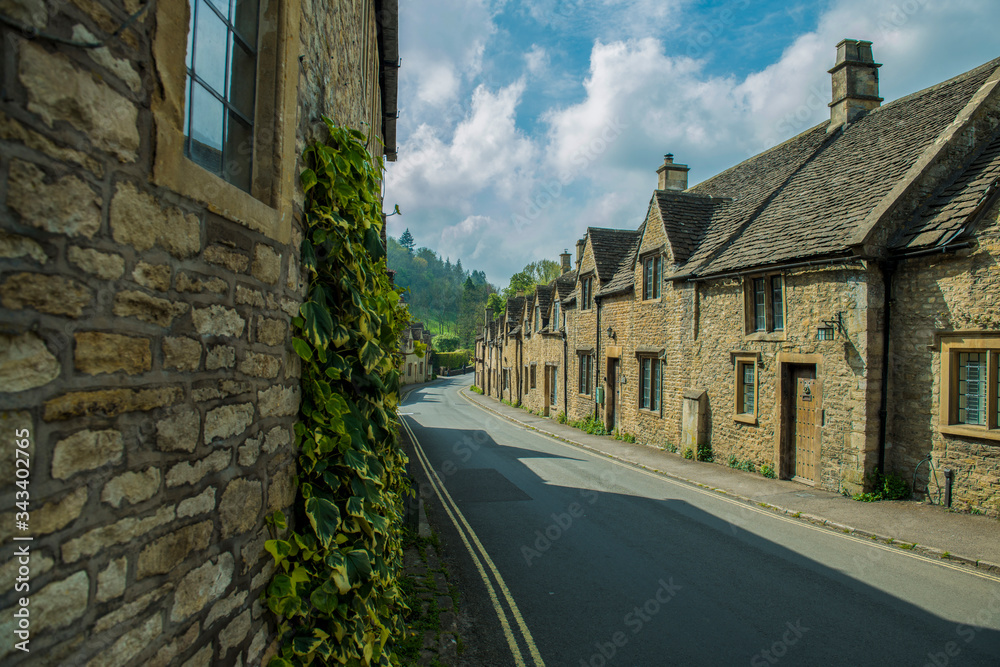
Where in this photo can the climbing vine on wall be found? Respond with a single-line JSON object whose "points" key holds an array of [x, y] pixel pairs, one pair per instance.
{"points": [[335, 590]]}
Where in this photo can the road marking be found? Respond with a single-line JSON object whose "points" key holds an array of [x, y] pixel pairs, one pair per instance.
{"points": [[745, 505], [451, 508]]}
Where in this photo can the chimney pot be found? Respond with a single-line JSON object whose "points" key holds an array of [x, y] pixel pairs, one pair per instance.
{"points": [[854, 79], [672, 176]]}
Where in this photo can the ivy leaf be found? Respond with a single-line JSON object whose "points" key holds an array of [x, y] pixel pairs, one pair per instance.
{"points": [[303, 350], [304, 644], [279, 549], [325, 597], [308, 179], [370, 354], [317, 325], [324, 518], [359, 565], [308, 256], [278, 661], [281, 585]]}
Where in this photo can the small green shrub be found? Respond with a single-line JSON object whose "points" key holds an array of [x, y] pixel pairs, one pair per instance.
{"points": [[688, 453], [746, 465], [624, 436], [705, 454], [561, 417], [591, 425], [767, 470], [670, 447], [477, 390], [884, 487]]}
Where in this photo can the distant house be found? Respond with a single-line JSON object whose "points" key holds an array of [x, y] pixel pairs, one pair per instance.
{"points": [[828, 308], [415, 359]]}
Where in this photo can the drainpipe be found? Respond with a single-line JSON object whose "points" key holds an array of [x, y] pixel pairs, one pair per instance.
{"points": [[520, 366], [888, 268], [565, 372], [597, 353]]}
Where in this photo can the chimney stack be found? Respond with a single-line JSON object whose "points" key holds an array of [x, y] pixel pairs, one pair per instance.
{"points": [[564, 262], [855, 83], [672, 176], [580, 245]]}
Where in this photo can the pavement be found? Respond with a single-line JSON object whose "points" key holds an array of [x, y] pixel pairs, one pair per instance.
{"points": [[931, 530]]}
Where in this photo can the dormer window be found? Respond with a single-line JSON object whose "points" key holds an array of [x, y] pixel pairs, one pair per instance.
{"points": [[586, 293], [652, 277], [555, 315]]}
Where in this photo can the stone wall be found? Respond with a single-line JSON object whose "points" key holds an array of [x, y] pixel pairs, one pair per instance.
{"points": [[145, 344], [933, 297]]}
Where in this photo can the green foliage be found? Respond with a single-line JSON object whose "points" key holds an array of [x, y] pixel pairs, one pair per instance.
{"points": [[591, 424], [419, 348], [335, 590], [624, 436], [884, 487], [514, 404], [541, 272], [453, 360], [446, 343], [688, 453], [561, 417], [746, 465], [704, 453], [767, 470], [477, 390], [406, 240], [670, 447], [496, 304]]}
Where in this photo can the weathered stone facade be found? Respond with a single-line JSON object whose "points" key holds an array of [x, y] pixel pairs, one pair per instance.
{"points": [[144, 353], [824, 309], [413, 367]]}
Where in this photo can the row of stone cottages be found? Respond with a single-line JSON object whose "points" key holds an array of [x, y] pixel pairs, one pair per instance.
{"points": [[828, 307]]}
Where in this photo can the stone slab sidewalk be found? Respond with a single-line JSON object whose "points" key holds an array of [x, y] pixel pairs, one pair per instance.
{"points": [[929, 529]]}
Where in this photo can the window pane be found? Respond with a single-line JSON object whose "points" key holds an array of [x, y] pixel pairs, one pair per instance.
{"points": [[646, 382], [658, 277], [777, 305], [243, 80], [210, 48], [972, 389], [758, 304], [647, 278], [222, 6], [239, 149], [655, 403], [206, 129], [748, 388], [245, 20]]}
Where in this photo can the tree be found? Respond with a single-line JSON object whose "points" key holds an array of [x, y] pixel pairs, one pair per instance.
{"points": [[497, 304], [406, 240]]}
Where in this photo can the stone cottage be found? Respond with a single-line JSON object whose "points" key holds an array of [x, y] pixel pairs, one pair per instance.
{"points": [[415, 367], [151, 220], [826, 308]]}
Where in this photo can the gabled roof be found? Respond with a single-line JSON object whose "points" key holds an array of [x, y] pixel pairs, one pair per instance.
{"points": [[543, 299], [565, 284], [609, 246], [685, 217], [624, 277], [821, 194], [950, 213]]}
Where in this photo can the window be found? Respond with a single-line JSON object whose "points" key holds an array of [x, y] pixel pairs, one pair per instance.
{"points": [[221, 87], [586, 367], [555, 314], [745, 365], [970, 404], [586, 295], [765, 304], [506, 379], [421, 371], [649, 383], [538, 318], [409, 369], [652, 273], [220, 104], [533, 385], [525, 376], [555, 381]]}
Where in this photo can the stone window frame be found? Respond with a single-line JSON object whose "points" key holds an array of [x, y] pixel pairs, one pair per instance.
{"points": [[587, 291], [951, 347], [740, 359], [655, 362], [769, 332], [268, 209], [654, 258], [534, 374], [587, 355]]}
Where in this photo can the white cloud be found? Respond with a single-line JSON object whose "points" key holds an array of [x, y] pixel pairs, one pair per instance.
{"points": [[536, 60]]}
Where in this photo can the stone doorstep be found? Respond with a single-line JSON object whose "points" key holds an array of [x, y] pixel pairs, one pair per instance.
{"points": [[816, 520]]}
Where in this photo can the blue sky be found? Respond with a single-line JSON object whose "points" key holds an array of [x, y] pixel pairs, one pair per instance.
{"points": [[523, 123]]}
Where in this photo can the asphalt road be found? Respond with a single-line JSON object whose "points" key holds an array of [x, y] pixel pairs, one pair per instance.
{"points": [[569, 558]]}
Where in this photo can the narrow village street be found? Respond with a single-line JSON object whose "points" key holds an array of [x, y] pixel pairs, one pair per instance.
{"points": [[571, 558]]}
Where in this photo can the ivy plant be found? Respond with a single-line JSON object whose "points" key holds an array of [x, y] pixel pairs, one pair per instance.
{"points": [[335, 589]]}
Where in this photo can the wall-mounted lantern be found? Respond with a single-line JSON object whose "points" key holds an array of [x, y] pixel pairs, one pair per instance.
{"points": [[829, 329], [611, 334]]}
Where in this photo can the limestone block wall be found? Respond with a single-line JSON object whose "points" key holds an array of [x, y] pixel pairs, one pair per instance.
{"points": [[545, 351], [144, 347], [933, 296]]}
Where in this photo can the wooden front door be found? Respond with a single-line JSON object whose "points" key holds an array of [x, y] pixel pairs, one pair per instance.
{"points": [[554, 386], [805, 420], [609, 421]]}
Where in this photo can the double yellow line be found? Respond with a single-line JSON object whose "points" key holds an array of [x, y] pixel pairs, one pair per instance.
{"points": [[483, 563]]}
